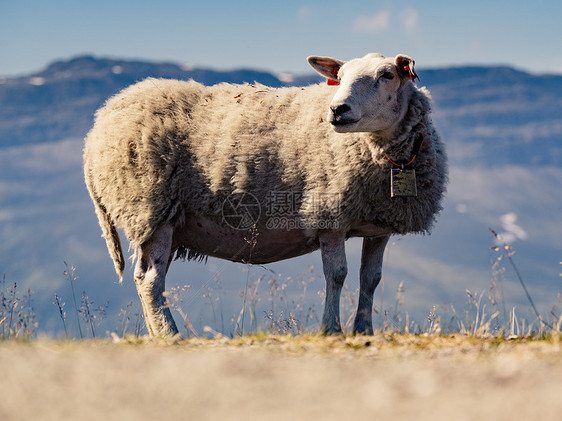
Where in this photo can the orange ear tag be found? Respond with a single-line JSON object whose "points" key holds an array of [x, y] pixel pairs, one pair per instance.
{"points": [[332, 82]]}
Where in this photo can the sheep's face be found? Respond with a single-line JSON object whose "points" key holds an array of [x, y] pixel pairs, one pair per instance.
{"points": [[373, 91]]}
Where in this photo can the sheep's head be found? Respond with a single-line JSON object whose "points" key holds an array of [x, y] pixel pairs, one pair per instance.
{"points": [[373, 91]]}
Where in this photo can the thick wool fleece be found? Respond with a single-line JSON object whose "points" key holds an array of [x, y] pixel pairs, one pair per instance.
{"points": [[162, 149]]}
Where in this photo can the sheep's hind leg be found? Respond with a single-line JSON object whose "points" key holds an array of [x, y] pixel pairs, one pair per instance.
{"points": [[332, 247], [369, 277], [150, 275]]}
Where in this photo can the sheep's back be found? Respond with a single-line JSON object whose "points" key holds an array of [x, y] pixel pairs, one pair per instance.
{"points": [[161, 148]]}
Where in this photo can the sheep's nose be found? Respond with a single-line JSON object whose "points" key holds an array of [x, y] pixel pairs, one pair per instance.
{"points": [[339, 110]]}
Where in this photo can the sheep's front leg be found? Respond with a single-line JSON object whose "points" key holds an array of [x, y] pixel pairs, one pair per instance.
{"points": [[150, 276], [369, 277], [332, 247]]}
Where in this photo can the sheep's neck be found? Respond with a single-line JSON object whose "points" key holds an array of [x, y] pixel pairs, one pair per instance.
{"points": [[399, 152], [418, 142]]}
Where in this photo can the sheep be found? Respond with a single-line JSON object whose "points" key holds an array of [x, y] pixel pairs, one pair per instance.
{"points": [[255, 174]]}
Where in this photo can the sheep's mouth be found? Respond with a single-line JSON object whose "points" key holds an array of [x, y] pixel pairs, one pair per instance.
{"points": [[342, 123]]}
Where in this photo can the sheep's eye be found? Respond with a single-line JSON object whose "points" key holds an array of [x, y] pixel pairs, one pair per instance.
{"points": [[387, 75]]}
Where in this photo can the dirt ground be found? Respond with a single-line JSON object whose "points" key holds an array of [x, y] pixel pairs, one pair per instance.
{"points": [[282, 378]]}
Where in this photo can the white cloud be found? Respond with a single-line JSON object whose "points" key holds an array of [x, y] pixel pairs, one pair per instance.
{"points": [[372, 24], [381, 21], [461, 208], [286, 77], [37, 81], [410, 19], [512, 230], [475, 47], [304, 13], [6, 215]]}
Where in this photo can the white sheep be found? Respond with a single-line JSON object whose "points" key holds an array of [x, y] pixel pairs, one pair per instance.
{"points": [[255, 174]]}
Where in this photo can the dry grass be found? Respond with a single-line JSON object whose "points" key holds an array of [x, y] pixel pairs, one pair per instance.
{"points": [[485, 364], [398, 376]]}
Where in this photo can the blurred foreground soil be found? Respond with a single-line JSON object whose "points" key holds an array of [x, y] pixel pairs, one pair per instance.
{"points": [[282, 378]]}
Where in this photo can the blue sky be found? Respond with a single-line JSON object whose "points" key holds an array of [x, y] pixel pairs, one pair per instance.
{"points": [[279, 35]]}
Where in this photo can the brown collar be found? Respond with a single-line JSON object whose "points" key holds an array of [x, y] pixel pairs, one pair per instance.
{"points": [[415, 152]]}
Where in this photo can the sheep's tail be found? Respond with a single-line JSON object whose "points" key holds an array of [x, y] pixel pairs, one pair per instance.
{"points": [[109, 232]]}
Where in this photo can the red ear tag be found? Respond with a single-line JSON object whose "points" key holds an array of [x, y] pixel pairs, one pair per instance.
{"points": [[332, 82], [412, 72]]}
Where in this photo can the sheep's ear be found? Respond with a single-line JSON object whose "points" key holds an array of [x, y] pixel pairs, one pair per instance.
{"points": [[326, 66], [405, 66]]}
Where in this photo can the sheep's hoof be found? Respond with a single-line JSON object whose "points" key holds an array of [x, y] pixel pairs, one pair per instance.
{"points": [[364, 332], [363, 328], [328, 331]]}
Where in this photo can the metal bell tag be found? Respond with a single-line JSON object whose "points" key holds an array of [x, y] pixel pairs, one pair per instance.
{"points": [[403, 183]]}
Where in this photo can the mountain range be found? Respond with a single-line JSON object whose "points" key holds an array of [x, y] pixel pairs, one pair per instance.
{"points": [[502, 127]]}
